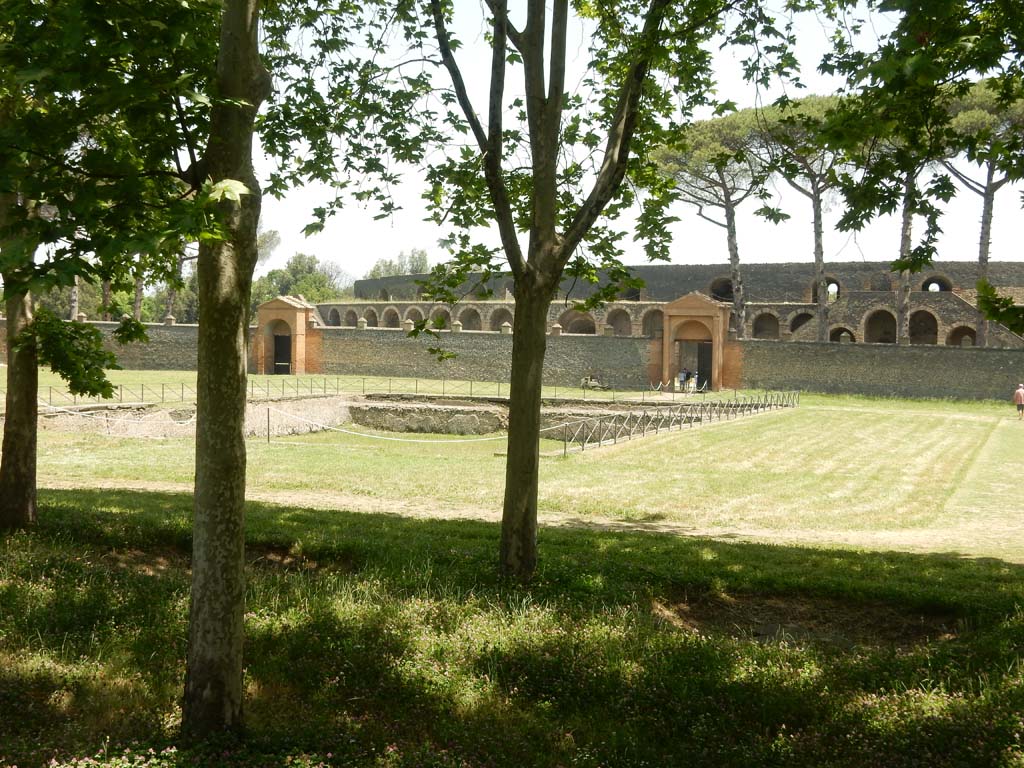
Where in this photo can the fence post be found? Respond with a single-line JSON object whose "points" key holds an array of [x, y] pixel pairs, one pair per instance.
{"points": [[268, 425], [565, 440]]}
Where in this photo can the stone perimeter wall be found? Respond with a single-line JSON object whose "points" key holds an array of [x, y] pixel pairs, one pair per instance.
{"points": [[170, 347], [885, 370], [872, 369], [617, 361]]}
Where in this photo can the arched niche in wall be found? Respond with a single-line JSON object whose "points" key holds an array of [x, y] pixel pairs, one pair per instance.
{"points": [[414, 314], [441, 319], [880, 327], [351, 318], [924, 328], [840, 334], [721, 289], [470, 319], [936, 284], [765, 326], [499, 317], [652, 323], [370, 315], [799, 320], [832, 285], [962, 336], [334, 317], [390, 318], [620, 320], [574, 321]]}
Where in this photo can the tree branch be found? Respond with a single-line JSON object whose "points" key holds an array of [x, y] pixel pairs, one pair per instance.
{"points": [[620, 134], [511, 32], [448, 58]]}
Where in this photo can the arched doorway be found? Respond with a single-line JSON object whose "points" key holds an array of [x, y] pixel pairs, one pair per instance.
{"points": [[391, 319], [334, 318], [279, 338], [351, 318], [414, 314], [694, 351], [370, 316]]}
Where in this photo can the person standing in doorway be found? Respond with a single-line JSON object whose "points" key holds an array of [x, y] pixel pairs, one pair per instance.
{"points": [[1018, 400]]}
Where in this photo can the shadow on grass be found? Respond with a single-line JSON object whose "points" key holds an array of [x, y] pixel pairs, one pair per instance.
{"points": [[382, 640]]}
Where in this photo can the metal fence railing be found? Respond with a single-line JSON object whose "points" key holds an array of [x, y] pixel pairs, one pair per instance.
{"points": [[272, 387], [609, 429]]}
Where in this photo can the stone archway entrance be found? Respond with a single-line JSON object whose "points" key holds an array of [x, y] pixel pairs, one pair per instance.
{"points": [[695, 330], [280, 343], [282, 362]]}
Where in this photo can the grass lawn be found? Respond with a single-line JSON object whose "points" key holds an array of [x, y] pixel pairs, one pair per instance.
{"points": [[822, 610]]}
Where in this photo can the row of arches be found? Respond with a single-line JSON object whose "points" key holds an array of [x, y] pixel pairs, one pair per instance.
{"points": [[439, 318], [721, 288], [879, 327]]}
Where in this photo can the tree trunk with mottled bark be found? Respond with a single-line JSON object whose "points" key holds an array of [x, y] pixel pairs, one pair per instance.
{"points": [[137, 303], [739, 306], [985, 244], [18, 464], [213, 679], [903, 288], [73, 311], [518, 552], [819, 265]]}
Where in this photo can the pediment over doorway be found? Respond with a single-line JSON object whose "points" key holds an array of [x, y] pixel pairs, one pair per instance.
{"points": [[695, 303]]}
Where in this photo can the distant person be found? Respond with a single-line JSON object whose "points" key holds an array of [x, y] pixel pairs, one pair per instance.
{"points": [[684, 376], [1018, 400]]}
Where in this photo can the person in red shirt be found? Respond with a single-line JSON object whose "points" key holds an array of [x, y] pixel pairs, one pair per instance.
{"points": [[1018, 399]]}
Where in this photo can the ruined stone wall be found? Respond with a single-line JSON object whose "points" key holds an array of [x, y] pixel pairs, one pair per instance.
{"points": [[481, 356], [170, 347], [764, 282], [882, 369]]}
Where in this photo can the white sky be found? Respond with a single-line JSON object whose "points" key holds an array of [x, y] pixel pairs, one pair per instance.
{"points": [[354, 240]]}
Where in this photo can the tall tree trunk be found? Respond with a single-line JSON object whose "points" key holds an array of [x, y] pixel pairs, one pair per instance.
{"points": [[984, 245], [739, 306], [518, 552], [137, 303], [819, 265], [213, 677], [106, 293], [172, 288], [903, 289], [73, 311], [18, 464]]}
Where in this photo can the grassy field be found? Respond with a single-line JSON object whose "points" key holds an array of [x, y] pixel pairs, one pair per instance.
{"points": [[915, 476], [837, 585]]}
